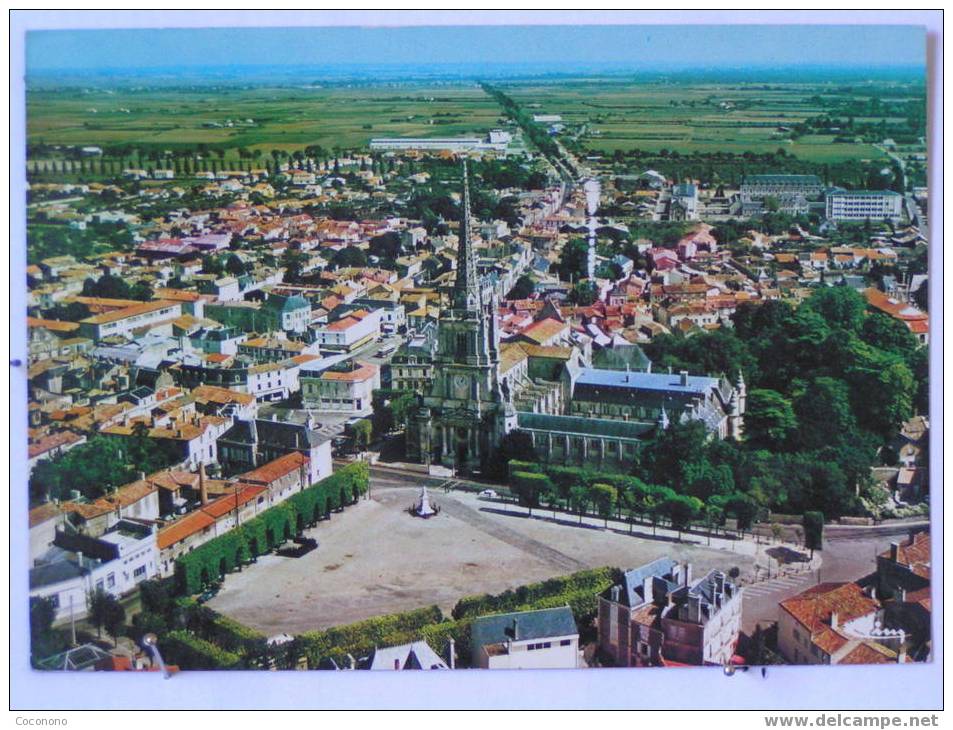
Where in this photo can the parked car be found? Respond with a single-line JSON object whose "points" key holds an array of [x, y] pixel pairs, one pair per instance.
{"points": [[489, 494]]}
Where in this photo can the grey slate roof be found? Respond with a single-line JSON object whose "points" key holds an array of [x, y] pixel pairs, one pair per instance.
{"points": [[607, 427], [781, 180], [634, 381], [416, 655], [45, 575], [543, 624], [277, 433], [633, 581]]}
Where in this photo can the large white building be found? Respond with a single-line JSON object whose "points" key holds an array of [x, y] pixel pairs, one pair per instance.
{"points": [[347, 390], [79, 565], [350, 331], [122, 322], [858, 205], [544, 639], [497, 140]]}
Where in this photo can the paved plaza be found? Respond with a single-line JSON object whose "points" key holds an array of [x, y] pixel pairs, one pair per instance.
{"points": [[374, 558]]}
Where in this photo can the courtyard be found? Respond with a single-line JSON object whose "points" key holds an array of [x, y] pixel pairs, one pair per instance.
{"points": [[374, 558]]}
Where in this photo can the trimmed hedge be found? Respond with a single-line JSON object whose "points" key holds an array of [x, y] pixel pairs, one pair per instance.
{"points": [[191, 652], [516, 465], [360, 638], [527, 597], [579, 591], [263, 532], [221, 630]]}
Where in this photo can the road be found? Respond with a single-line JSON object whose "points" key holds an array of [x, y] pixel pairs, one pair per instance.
{"points": [[847, 556]]}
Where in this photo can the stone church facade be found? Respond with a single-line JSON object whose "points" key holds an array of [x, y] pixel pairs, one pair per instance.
{"points": [[481, 390]]}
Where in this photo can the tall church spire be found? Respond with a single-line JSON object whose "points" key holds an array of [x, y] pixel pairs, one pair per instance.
{"points": [[466, 290]]}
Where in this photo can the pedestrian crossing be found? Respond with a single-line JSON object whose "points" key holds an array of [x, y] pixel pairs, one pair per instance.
{"points": [[776, 585]]}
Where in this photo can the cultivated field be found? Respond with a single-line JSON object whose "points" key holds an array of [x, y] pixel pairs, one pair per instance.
{"points": [[620, 115], [282, 118], [686, 118], [375, 559]]}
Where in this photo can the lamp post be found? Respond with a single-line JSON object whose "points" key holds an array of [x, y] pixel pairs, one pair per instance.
{"points": [[151, 643]]}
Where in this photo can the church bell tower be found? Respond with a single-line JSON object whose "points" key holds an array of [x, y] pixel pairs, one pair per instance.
{"points": [[464, 414]]}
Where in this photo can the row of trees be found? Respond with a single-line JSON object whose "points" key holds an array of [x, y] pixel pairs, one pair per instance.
{"points": [[730, 168]]}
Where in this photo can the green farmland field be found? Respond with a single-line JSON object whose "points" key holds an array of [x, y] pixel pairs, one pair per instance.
{"points": [[616, 114], [282, 118]]}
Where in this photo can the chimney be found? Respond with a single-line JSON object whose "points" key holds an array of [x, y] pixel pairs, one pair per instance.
{"points": [[647, 593], [683, 377], [142, 476], [203, 488], [79, 559], [902, 654], [895, 552], [452, 651], [833, 619]]}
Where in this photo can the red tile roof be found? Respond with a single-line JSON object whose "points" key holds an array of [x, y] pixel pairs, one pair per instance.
{"points": [[44, 513], [364, 371], [183, 528], [53, 441], [273, 470], [914, 555], [813, 608]]}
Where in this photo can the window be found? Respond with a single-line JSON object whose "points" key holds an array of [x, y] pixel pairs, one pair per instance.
{"points": [[139, 573], [111, 580], [565, 642], [55, 600]]}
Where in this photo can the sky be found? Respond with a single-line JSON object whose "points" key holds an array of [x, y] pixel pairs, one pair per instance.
{"points": [[650, 47]]}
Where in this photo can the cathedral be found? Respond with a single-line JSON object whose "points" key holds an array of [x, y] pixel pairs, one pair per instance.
{"points": [[573, 413], [468, 408]]}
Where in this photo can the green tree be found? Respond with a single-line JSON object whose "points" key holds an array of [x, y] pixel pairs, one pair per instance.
{"points": [[44, 640], [529, 487], [523, 288], [584, 293], [921, 297], [107, 286], [888, 334], [362, 431], [349, 256], [579, 500], [141, 290], [515, 445], [744, 508], [682, 511], [824, 414], [99, 609], [672, 452], [292, 262], [574, 260], [96, 467], [234, 265], [604, 496], [769, 419], [213, 265], [813, 523], [840, 306]]}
